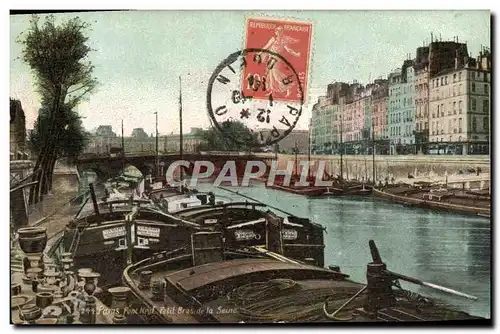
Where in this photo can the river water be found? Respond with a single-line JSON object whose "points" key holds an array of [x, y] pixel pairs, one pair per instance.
{"points": [[441, 248]]}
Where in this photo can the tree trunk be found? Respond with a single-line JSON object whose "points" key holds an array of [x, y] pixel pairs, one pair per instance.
{"points": [[36, 173], [44, 156], [45, 174], [51, 172]]}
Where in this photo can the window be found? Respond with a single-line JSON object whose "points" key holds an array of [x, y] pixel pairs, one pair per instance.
{"points": [[446, 80], [473, 87], [474, 124], [454, 77], [460, 124], [142, 241], [473, 75], [459, 76], [454, 91], [459, 107], [122, 242], [486, 106], [454, 107], [442, 110], [449, 126], [473, 104], [485, 123], [442, 81], [486, 89], [437, 82]]}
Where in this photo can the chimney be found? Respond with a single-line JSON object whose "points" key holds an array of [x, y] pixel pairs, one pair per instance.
{"points": [[456, 59]]}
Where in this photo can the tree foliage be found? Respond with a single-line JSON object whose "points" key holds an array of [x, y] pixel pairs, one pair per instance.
{"points": [[73, 137], [58, 56], [235, 137]]}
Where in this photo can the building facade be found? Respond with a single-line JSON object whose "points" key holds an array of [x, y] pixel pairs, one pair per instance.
{"points": [[402, 109], [105, 131], [17, 131], [139, 133], [380, 116], [421, 68], [460, 108], [323, 130]]}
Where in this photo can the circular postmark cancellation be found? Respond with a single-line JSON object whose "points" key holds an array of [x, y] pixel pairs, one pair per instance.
{"points": [[255, 96]]}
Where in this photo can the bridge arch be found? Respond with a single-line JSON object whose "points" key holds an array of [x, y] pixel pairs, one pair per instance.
{"points": [[140, 170], [92, 173]]}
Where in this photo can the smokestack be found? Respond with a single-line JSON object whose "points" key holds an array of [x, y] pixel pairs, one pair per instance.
{"points": [[432, 38]]}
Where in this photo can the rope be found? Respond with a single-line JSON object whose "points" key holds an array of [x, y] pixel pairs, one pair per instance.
{"points": [[410, 296], [284, 300]]}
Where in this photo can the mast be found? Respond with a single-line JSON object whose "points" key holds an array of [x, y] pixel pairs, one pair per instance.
{"points": [[373, 153], [156, 149], [309, 152], [296, 164], [180, 122], [341, 150], [156, 156], [123, 152]]}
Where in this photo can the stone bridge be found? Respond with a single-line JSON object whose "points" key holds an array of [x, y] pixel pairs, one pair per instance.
{"points": [[107, 166]]}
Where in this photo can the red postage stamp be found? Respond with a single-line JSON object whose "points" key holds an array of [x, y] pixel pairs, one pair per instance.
{"points": [[282, 40]]}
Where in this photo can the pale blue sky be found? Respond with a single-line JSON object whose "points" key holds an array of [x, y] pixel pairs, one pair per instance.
{"points": [[139, 56]]}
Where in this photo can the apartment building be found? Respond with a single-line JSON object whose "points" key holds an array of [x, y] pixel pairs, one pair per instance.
{"points": [[460, 107]]}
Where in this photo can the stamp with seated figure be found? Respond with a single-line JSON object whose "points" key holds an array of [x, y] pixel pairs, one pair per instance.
{"points": [[292, 41]]}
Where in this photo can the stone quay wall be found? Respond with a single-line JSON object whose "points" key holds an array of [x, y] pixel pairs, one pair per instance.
{"points": [[397, 166]]}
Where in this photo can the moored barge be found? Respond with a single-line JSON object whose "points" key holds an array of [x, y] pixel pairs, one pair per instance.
{"points": [[424, 195], [255, 286]]}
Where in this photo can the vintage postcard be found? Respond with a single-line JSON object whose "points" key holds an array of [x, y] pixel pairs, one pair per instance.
{"points": [[250, 167]]}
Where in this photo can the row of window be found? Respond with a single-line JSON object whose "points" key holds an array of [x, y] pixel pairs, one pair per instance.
{"points": [[396, 131], [455, 126], [440, 109], [397, 90], [473, 75], [377, 121], [397, 103], [421, 126], [406, 116]]}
